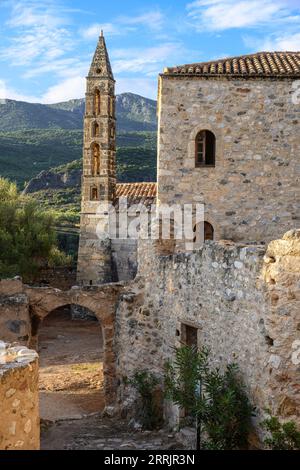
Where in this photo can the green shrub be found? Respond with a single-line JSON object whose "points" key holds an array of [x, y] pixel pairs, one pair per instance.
{"points": [[27, 235], [225, 410], [281, 436], [217, 400], [183, 377], [145, 383]]}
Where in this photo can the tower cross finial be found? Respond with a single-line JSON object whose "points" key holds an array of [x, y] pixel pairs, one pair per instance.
{"points": [[102, 33]]}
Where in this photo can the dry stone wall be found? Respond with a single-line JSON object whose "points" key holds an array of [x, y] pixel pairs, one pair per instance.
{"points": [[19, 401], [14, 312], [243, 300]]}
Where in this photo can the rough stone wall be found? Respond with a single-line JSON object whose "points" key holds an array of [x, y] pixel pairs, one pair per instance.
{"points": [[244, 302], [124, 259], [251, 194], [60, 278], [36, 303], [14, 312], [19, 400]]}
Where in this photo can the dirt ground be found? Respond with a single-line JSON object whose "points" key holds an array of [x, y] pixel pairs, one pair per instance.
{"points": [[71, 368], [71, 394]]}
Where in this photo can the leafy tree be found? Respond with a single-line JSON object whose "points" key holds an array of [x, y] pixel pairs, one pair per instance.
{"points": [[217, 400], [27, 236], [281, 436]]}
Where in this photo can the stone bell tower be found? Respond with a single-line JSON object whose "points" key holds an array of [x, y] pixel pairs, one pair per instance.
{"points": [[99, 169]]}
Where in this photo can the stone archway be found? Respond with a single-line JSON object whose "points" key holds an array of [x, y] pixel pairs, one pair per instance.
{"points": [[101, 301]]}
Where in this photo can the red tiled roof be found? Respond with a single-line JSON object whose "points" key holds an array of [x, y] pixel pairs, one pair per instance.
{"points": [[262, 64], [136, 190], [137, 193]]}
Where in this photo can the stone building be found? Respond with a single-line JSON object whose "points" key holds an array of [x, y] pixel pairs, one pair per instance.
{"points": [[229, 139]]}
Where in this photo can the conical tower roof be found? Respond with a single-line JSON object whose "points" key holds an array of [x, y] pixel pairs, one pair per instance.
{"points": [[101, 64]]}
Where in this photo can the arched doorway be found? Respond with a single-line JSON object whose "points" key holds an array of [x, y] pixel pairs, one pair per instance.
{"points": [[203, 232], [71, 351]]}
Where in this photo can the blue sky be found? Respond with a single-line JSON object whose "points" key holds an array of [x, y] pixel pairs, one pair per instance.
{"points": [[46, 46]]}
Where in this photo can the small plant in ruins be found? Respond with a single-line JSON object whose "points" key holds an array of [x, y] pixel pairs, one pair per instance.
{"points": [[146, 384], [225, 410], [281, 436], [182, 378], [216, 400]]}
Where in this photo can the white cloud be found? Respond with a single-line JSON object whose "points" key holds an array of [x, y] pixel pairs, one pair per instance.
{"points": [[218, 15], [146, 61], [283, 42], [152, 20], [7, 92], [69, 89], [93, 31], [40, 34]]}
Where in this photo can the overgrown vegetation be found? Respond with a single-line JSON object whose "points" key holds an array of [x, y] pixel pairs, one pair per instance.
{"points": [[27, 237], [218, 401], [145, 383], [281, 436]]}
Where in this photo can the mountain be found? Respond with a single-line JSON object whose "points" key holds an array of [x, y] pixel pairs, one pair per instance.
{"points": [[41, 145], [134, 113]]}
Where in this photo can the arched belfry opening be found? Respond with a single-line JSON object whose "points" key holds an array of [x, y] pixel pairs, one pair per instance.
{"points": [[95, 129], [71, 351], [97, 102], [95, 159]]}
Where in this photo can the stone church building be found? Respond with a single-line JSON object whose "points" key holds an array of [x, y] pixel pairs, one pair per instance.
{"points": [[228, 138]]}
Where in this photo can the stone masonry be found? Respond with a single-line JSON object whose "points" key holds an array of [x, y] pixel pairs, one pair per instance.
{"points": [[19, 400], [242, 299], [99, 170], [252, 192]]}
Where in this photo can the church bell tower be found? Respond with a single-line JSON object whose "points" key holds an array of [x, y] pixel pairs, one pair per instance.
{"points": [[99, 169]]}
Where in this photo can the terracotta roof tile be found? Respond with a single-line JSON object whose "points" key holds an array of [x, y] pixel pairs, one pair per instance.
{"points": [[262, 64], [137, 193]]}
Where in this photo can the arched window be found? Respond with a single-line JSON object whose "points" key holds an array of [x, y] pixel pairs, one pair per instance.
{"points": [[95, 129], [205, 149], [95, 159], [208, 232], [94, 194], [97, 101]]}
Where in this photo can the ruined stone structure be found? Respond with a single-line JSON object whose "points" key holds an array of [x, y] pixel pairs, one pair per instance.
{"points": [[242, 301], [23, 308], [19, 401], [229, 138]]}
